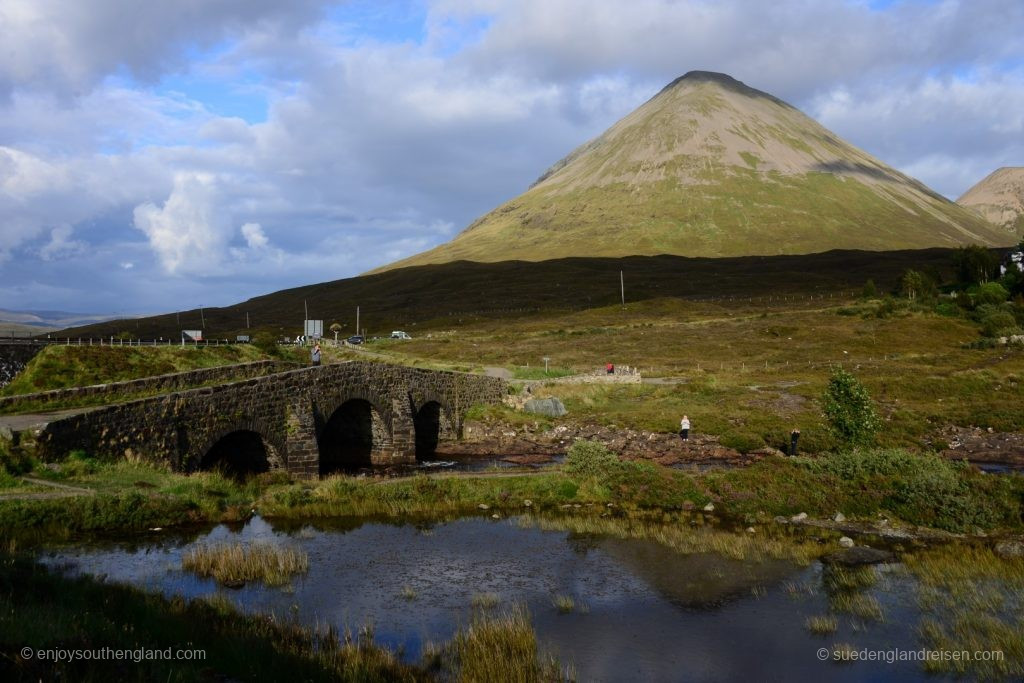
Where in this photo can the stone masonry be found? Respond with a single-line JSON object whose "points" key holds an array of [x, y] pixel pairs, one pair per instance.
{"points": [[159, 384], [289, 410], [14, 356]]}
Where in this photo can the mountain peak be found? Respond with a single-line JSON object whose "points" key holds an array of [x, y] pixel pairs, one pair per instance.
{"points": [[712, 167], [999, 197]]}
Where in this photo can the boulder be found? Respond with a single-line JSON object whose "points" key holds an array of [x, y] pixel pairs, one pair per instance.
{"points": [[550, 407], [710, 507], [799, 518], [839, 517], [858, 556], [1010, 550], [846, 542]]}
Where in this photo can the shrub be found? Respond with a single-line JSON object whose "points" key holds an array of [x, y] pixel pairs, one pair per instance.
{"points": [[997, 323], [870, 291], [589, 459], [991, 293], [849, 411]]}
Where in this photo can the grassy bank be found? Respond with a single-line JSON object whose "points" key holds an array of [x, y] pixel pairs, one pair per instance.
{"points": [[903, 486]]}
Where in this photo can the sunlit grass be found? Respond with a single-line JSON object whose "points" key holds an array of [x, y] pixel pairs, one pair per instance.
{"points": [[235, 563]]}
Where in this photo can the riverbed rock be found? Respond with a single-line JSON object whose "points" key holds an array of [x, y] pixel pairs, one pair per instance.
{"points": [[484, 506], [800, 517], [839, 517], [1010, 550], [528, 503], [858, 556], [846, 542], [710, 507], [551, 407]]}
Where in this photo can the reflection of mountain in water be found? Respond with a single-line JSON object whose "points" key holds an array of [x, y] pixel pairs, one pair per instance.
{"points": [[701, 580]]}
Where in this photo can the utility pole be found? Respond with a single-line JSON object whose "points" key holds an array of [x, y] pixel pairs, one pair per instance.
{"points": [[622, 288], [201, 316], [357, 320], [247, 320]]}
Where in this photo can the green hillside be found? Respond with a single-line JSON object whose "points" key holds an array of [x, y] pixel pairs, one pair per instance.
{"points": [[710, 167]]}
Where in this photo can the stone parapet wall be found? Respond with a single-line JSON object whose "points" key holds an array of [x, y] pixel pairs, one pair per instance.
{"points": [[14, 356], [158, 384]]}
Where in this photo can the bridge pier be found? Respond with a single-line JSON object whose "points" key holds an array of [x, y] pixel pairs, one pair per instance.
{"points": [[303, 461], [398, 447]]}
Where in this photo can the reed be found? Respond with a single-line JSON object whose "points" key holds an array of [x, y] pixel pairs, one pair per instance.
{"points": [[822, 625], [502, 649], [237, 563]]}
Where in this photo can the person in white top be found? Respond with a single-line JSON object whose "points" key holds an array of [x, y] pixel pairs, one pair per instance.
{"points": [[684, 428]]}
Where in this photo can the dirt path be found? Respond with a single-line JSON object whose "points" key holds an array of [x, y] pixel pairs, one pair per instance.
{"points": [[63, 491]]}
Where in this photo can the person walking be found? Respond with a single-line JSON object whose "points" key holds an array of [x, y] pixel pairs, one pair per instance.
{"points": [[794, 436], [684, 428], [315, 354]]}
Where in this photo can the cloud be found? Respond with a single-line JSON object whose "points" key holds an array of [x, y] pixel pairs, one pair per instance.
{"points": [[254, 236], [188, 233], [68, 47], [383, 138]]}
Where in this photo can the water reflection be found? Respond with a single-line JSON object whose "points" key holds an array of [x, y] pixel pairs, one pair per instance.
{"points": [[652, 614]]}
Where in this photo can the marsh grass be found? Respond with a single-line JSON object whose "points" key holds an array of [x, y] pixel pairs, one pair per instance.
{"points": [[857, 604], [822, 625], [563, 603], [485, 600], [972, 600], [408, 593], [233, 563], [839, 578], [687, 540], [502, 648]]}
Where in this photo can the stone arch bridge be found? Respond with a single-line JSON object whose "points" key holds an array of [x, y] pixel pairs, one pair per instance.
{"points": [[309, 422]]}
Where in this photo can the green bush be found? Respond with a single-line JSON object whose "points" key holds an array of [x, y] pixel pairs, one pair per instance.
{"points": [[742, 442], [589, 459], [998, 323], [990, 293], [923, 488], [849, 411]]}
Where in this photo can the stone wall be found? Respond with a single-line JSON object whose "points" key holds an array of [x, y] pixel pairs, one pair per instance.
{"points": [[158, 384], [14, 356], [289, 410]]}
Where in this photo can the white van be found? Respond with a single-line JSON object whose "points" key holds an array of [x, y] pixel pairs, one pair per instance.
{"points": [[398, 334]]}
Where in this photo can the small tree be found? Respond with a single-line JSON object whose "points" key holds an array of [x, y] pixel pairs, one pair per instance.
{"points": [[849, 410], [335, 328], [870, 291], [911, 284]]}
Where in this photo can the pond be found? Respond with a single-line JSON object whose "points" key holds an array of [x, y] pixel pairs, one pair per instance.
{"points": [[640, 610]]}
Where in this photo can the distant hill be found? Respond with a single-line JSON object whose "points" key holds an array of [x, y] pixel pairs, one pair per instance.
{"points": [[999, 197], [51, 319], [445, 296], [711, 167]]}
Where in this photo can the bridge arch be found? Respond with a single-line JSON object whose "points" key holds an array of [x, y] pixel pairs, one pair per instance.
{"points": [[433, 421], [350, 434], [238, 452]]}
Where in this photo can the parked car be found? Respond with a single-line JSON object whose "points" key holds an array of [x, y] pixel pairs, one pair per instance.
{"points": [[398, 334], [355, 339]]}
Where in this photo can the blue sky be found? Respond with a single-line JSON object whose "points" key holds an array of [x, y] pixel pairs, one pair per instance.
{"points": [[158, 156]]}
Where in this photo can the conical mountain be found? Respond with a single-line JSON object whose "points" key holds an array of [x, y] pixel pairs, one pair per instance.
{"points": [[712, 167], [999, 198]]}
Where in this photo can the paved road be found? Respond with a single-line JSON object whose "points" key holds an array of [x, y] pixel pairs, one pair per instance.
{"points": [[18, 423]]}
